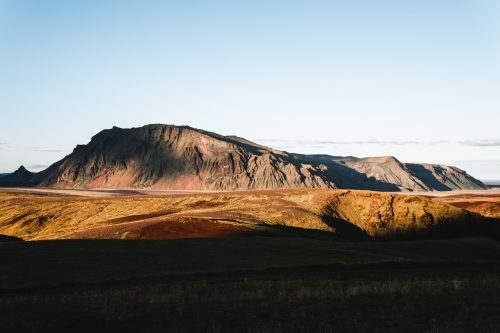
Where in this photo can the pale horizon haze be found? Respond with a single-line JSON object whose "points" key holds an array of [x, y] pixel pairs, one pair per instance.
{"points": [[419, 80]]}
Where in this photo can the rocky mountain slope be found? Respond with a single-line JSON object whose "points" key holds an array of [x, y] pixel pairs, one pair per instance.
{"points": [[184, 158]]}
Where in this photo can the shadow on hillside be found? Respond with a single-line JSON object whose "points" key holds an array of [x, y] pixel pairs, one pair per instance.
{"points": [[427, 177], [467, 225], [287, 231], [357, 180], [5, 238], [345, 230], [342, 175]]}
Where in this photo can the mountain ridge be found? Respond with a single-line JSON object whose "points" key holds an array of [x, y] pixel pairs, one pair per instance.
{"points": [[184, 158]]}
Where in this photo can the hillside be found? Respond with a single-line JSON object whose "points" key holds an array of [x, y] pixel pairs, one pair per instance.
{"points": [[337, 214], [183, 158]]}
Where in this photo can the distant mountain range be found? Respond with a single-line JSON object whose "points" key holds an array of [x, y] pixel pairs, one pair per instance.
{"points": [[183, 158], [4, 174], [492, 183]]}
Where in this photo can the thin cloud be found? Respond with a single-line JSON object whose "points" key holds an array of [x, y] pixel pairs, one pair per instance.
{"points": [[320, 143], [481, 143], [37, 167], [47, 150], [365, 142], [52, 150]]}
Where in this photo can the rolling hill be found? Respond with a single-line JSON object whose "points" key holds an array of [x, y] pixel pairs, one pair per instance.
{"points": [[336, 214]]}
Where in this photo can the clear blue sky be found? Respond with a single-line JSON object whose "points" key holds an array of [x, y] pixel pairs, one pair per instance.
{"points": [[416, 79]]}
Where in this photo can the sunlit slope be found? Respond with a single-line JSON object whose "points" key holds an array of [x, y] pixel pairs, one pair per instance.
{"points": [[487, 204], [343, 214]]}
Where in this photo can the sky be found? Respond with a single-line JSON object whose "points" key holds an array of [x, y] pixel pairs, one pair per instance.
{"points": [[419, 80]]}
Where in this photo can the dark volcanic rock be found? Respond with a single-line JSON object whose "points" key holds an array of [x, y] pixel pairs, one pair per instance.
{"points": [[20, 177], [183, 158]]}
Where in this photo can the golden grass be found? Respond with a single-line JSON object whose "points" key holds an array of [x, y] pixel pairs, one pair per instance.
{"points": [[34, 216]]}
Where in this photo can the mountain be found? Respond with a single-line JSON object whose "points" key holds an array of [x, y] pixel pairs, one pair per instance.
{"points": [[183, 158], [21, 177], [492, 183], [3, 175]]}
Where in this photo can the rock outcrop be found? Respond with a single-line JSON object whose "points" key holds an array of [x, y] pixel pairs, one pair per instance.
{"points": [[184, 158]]}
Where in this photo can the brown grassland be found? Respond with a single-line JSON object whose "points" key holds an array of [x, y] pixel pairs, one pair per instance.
{"points": [[345, 214]]}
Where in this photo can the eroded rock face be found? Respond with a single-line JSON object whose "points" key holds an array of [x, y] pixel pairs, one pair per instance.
{"points": [[169, 157], [392, 215], [183, 158]]}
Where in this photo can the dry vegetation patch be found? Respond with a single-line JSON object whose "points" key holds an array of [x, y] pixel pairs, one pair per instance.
{"points": [[349, 214]]}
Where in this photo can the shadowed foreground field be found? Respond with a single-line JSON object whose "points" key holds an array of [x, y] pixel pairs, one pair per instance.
{"points": [[266, 284], [260, 261], [429, 304]]}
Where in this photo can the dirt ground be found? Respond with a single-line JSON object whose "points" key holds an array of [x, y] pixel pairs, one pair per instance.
{"points": [[485, 203], [33, 214]]}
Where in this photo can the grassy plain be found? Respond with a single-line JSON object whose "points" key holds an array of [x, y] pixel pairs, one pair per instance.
{"points": [[261, 284]]}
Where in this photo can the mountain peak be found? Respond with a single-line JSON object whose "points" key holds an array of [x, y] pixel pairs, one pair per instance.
{"points": [[174, 157], [22, 171]]}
